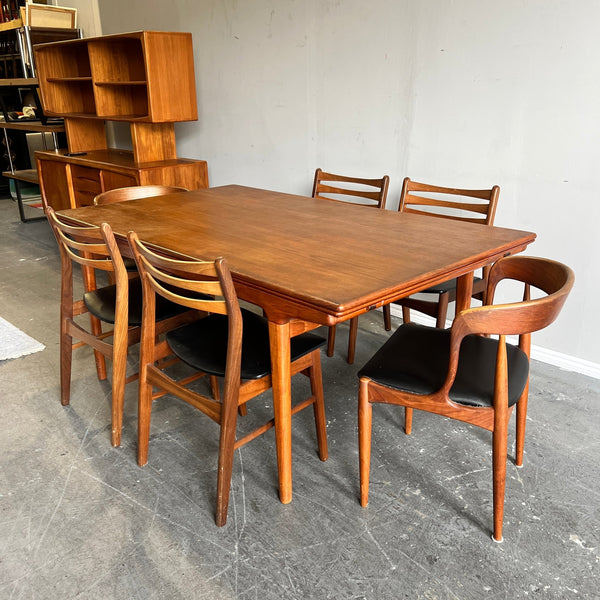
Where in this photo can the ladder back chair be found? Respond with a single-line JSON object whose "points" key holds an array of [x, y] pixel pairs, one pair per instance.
{"points": [[464, 374], [230, 343], [119, 304], [474, 206], [365, 192]]}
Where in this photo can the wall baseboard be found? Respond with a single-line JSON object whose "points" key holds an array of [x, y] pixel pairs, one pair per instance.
{"points": [[565, 361], [551, 357]]}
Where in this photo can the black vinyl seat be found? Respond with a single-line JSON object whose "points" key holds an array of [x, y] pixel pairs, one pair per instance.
{"points": [[415, 360], [211, 356], [102, 303]]}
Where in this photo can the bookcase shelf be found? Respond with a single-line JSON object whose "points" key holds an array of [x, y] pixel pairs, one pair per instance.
{"points": [[145, 78], [124, 74]]}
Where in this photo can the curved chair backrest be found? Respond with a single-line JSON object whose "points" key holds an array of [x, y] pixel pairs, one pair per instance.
{"points": [[90, 246], [445, 202], [135, 192], [200, 285], [358, 191], [518, 318]]}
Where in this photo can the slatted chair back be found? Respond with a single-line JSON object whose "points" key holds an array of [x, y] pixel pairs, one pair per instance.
{"points": [[367, 192], [86, 245], [474, 206]]}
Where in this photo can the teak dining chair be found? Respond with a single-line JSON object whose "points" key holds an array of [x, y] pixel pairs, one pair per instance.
{"points": [[365, 192], [119, 304], [463, 374], [109, 197], [474, 206], [230, 343]]}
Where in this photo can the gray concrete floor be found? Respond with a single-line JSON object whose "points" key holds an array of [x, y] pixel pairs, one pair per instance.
{"points": [[80, 519]]}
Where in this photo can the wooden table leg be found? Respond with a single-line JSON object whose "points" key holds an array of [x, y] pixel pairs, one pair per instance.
{"points": [[279, 338], [464, 291]]}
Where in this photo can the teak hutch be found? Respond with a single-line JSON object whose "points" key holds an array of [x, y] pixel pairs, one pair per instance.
{"points": [[145, 78]]}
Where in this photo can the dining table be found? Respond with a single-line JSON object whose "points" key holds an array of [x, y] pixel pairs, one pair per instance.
{"points": [[307, 262]]}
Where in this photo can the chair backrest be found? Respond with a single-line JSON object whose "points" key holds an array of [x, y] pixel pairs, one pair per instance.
{"points": [[90, 246], [449, 203], [367, 192], [135, 192], [201, 285], [518, 318]]}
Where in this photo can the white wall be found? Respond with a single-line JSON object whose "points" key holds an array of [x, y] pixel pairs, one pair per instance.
{"points": [[467, 93], [88, 15]]}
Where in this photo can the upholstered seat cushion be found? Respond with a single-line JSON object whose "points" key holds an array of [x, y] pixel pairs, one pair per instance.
{"points": [[203, 345], [101, 303], [445, 286], [415, 360]]}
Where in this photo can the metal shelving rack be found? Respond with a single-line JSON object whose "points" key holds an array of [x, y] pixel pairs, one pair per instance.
{"points": [[17, 41]]}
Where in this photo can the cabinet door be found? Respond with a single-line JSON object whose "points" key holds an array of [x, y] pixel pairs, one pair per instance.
{"points": [[188, 174], [55, 184], [112, 180], [86, 184]]}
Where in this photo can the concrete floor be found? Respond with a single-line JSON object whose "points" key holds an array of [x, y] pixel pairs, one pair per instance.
{"points": [[80, 519]]}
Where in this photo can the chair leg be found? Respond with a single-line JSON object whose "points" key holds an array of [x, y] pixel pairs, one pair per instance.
{"points": [[214, 387], [405, 314], [316, 386], [96, 329], [387, 317], [66, 356], [521, 420], [365, 419], [408, 415], [118, 395], [352, 339], [442, 311], [499, 449], [225, 463], [144, 416], [119, 375], [331, 341]]}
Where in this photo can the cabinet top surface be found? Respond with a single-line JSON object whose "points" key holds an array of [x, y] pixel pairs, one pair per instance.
{"points": [[109, 158], [115, 36]]}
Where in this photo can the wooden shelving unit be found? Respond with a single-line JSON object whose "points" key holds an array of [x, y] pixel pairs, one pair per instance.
{"points": [[145, 78]]}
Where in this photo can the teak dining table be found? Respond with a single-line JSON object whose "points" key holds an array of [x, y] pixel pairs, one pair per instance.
{"points": [[308, 262]]}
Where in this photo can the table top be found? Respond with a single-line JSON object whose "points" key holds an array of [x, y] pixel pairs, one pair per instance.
{"points": [[320, 260]]}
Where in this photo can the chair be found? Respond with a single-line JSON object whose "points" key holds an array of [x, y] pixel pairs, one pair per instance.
{"points": [[230, 343], [447, 203], [462, 373], [365, 192], [119, 304]]}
